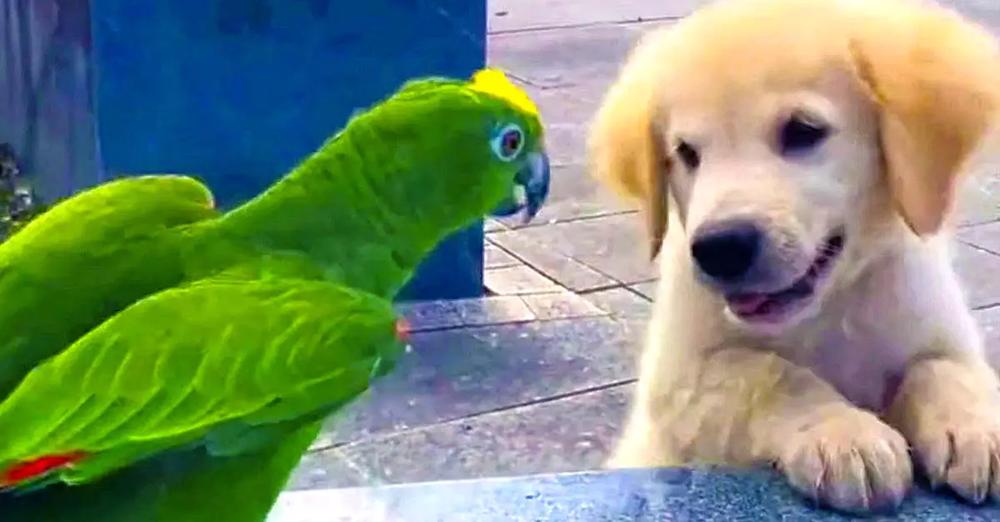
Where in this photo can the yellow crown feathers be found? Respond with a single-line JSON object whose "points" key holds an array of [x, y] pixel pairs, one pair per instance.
{"points": [[495, 83]]}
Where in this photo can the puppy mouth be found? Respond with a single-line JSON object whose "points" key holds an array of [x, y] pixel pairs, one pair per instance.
{"points": [[773, 307]]}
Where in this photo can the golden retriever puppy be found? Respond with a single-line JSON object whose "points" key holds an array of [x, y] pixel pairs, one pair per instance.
{"points": [[796, 162]]}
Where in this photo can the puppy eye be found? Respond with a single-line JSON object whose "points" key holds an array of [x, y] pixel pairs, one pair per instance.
{"points": [[800, 134], [688, 155]]}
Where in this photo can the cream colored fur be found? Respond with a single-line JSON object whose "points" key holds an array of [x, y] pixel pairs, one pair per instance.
{"points": [[887, 358]]}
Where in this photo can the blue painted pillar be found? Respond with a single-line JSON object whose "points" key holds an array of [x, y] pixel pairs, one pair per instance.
{"points": [[238, 91]]}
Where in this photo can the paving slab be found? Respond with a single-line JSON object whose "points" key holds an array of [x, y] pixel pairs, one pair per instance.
{"points": [[980, 197], [986, 12], [989, 321], [647, 289], [526, 15], [621, 302], [496, 257], [978, 271], [562, 305], [575, 195], [495, 310], [610, 245], [585, 55], [985, 236], [493, 225], [451, 374], [336, 471], [568, 272], [567, 73], [572, 434], [518, 280]]}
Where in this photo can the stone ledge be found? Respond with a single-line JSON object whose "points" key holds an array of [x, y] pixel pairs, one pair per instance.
{"points": [[653, 494]]}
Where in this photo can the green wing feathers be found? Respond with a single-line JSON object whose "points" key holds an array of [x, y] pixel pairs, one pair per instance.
{"points": [[119, 205], [99, 252], [216, 361]]}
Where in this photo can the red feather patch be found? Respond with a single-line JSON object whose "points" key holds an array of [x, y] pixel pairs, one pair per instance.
{"points": [[30, 469], [403, 330]]}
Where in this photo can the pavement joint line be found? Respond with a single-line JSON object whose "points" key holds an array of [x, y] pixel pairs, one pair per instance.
{"points": [[574, 219], [973, 224], [528, 81], [596, 270], [977, 247], [535, 84], [613, 286], [375, 437], [450, 328], [640, 294], [535, 269], [585, 25], [366, 475]]}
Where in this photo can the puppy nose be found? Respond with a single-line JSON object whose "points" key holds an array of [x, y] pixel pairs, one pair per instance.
{"points": [[726, 251]]}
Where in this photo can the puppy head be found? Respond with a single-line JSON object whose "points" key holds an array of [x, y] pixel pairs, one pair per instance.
{"points": [[793, 134]]}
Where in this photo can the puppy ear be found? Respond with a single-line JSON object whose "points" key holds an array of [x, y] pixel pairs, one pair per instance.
{"points": [[625, 144], [936, 80]]}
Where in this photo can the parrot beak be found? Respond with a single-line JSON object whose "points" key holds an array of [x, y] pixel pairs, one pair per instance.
{"points": [[531, 187]]}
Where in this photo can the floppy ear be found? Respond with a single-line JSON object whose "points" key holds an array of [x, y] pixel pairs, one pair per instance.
{"points": [[936, 80], [625, 146]]}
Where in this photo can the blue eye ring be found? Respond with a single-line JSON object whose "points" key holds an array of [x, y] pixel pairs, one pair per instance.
{"points": [[508, 143]]}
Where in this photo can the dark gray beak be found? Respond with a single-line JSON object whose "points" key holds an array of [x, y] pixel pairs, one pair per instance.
{"points": [[531, 188]]}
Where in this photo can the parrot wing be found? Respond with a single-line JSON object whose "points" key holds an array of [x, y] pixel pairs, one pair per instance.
{"points": [[87, 258], [216, 363]]}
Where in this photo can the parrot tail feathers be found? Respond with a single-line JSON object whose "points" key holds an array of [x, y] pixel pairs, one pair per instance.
{"points": [[31, 474]]}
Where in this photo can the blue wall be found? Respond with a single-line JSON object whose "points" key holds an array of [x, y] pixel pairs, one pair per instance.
{"points": [[238, 91]]}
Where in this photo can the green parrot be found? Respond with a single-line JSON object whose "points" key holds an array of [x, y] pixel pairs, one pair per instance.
{"points": [[163, 360]]}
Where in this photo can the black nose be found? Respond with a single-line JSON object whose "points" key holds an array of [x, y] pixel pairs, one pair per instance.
{"points": [[726, 251]]}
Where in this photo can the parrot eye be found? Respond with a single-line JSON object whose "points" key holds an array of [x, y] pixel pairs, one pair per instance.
{"points": [[508, 143]]}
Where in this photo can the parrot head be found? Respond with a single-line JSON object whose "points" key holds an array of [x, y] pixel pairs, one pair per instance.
{"points": [[518, 140], [471, 147]]}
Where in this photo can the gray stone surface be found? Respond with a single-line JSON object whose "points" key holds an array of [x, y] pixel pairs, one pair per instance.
{"points": [[566, 73], [521, 15], [980, 199], [518, 280], [986, 237], [710, 495], [562, 305], [979, 272], [570, 272], [621, 302], [573, 434], [495, 310], [989, 321], [647, 289], [452, 374], [492, 225], [614, 246], [496, 257]]}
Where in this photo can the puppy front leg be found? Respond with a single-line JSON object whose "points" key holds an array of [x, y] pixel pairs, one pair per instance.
{"points": [[749, 406], [948, 408]]}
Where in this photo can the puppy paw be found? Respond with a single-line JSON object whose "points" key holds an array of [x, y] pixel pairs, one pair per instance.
{"points": [[849, 461], [962, 452]]}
